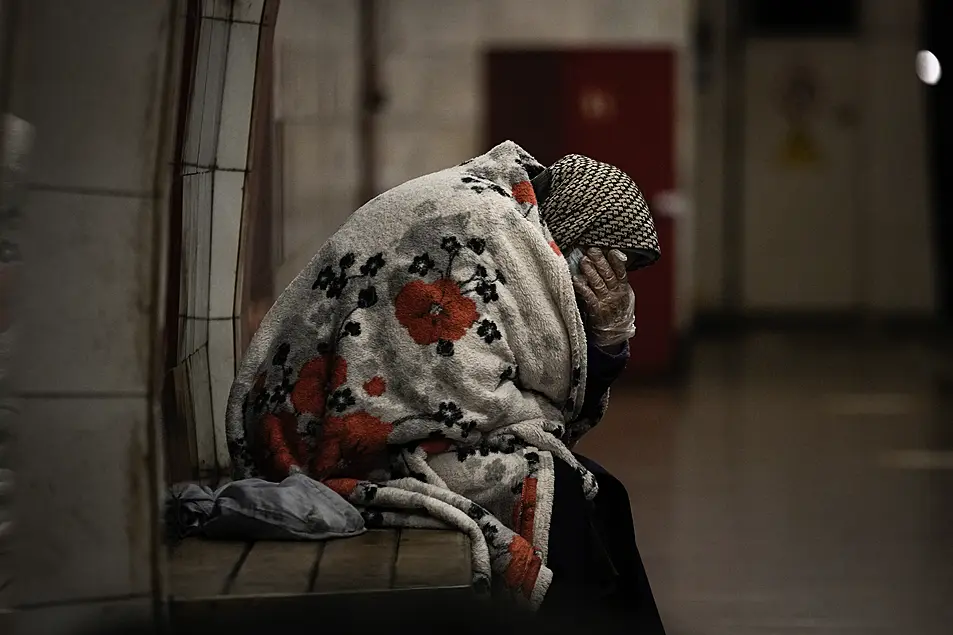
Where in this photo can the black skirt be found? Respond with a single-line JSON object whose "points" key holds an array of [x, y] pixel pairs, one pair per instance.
{"points": [[597, 570]]}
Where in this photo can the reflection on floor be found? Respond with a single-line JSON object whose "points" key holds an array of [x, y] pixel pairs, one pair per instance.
{"points": [[793, 484]]}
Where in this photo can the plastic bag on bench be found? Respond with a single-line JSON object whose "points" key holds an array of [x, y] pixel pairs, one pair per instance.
{"points": [[297, 508]]}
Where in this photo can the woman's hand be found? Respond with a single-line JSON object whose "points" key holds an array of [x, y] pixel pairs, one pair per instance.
{"points": [[610, 300]]}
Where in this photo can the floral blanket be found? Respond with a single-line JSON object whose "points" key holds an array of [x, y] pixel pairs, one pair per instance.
{"points": [[427, 365]]}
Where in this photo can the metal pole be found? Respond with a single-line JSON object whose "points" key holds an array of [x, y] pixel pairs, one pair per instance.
{"points": [[370, 100]]}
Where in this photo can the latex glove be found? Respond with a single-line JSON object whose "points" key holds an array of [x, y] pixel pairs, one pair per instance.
{"points": [[610, 300]]}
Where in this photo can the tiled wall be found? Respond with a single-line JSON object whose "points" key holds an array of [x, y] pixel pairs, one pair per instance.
{"points": [[893, 170], [17, 142], [899, 264], [90, 79], [316, 107], [214, 170]]}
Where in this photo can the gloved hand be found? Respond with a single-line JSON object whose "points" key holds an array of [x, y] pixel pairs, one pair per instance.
{"points": [[610, 300]]}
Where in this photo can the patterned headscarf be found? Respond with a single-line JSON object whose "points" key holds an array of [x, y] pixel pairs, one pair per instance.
{"points": [[588, 203]]}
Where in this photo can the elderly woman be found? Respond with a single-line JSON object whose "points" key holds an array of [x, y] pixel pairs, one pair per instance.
{"points": [[431, 365]]}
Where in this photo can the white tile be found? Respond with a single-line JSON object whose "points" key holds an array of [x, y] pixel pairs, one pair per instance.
{"points": [[194, 336], [238, 10], [646, 21], [319, 163], [238, 96], [587, 22], [220, 9], [221, 353], [227, 207], [299, 170], [421, 25], [248, 10], [134, 615], [95, 109], [83, 500], [197, 192], [337, 157], [332, 24], [203, 406], [86, 299], [338, 22], [406, 151], [205, 109], [535, 22], [433, 86], [315, 82]]}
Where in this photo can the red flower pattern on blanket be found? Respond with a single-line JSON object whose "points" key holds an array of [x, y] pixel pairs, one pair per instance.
{"points": [[524, 512], [441, 312], [435, 311], [316, 379], [523, 568], [350, 443], [286, 448], [523, 192], [375, 386]]}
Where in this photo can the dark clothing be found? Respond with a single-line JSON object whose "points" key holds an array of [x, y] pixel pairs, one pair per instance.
{"points": [[601, 371], [597, 569]]}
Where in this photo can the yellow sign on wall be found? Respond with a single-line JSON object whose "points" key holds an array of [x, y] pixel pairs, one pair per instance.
{"points": [[799, 149], [798, 103]]}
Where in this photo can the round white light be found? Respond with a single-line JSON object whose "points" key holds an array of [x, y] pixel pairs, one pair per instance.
{"points": [[928, 67]]}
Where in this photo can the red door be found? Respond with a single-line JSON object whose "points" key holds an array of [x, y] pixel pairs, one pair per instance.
{"points": [[617, 106]]}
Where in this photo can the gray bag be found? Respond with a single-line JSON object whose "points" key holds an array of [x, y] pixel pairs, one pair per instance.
{"points": [[298, 508]]}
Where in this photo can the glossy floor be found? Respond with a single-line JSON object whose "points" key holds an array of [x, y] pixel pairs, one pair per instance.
{"points": [[793, 484]]}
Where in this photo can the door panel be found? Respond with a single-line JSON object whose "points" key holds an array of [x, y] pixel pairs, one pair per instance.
{"points": [[525, 91], [800, 207], [620, 109]]}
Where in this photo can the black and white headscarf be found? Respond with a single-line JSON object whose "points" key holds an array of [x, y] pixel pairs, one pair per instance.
{"points": [[587, 203]]}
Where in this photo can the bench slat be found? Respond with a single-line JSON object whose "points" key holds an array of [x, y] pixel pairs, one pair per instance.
{"points": [[209, 572], [202, 568], [277, 567], [431, 558], [361, 563]]}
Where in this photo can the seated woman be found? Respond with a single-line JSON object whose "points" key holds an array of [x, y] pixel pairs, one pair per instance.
{"points": [[432, 366]]}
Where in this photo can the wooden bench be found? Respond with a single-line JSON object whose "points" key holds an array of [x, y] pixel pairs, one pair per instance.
{"points": [[209, 578]]}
